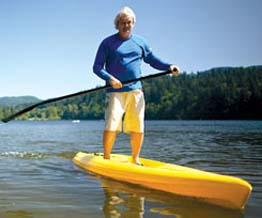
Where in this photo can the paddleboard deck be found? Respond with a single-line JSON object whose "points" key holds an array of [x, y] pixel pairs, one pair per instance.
{"points": [[221, 190]]}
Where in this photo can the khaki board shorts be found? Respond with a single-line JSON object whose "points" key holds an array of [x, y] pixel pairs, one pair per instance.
{"points": [[130, 104]]}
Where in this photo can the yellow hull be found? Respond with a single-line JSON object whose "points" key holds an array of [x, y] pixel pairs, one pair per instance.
{"points": [[226, 191]]}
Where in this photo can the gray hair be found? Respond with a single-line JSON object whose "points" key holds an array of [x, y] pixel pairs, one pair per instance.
{"points": [[124, 12]]}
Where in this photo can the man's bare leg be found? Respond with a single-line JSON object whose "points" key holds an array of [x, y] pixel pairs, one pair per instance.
{"points": [[108, 142], [136, 141]]}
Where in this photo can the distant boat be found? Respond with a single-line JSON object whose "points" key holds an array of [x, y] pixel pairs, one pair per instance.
{"points": [[75, 121]]}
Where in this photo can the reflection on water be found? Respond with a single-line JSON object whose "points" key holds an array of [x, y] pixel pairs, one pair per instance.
{"points": [[122, 204], [128, 200], [18, 213], [39, 180]]}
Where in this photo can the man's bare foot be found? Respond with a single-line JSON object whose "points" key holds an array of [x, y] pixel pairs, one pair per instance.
{"points": [[137, 162]]}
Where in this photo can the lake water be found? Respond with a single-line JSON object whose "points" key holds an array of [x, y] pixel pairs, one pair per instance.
{"points": [[39, 179]]}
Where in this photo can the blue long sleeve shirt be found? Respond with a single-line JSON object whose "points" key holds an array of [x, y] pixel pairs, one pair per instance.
{"points": [[122, 59]]}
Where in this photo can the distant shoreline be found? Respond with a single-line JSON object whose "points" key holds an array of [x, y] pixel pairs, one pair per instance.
{"points": [[224, 93]]}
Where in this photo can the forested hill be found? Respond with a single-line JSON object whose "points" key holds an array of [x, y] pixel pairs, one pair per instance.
{"points": [[219, 93], [16, 101]]}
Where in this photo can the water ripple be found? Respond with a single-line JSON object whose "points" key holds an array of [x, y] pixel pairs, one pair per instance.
{"points": [[35, 155]]}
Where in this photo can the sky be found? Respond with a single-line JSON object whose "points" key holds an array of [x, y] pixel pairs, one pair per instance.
{"points": [[47, 47]]}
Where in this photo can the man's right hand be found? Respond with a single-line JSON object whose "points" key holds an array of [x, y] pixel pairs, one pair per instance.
{"points": [[115, 83]]}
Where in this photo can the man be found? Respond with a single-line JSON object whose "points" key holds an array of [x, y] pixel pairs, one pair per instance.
{"points": [[119, 59]]}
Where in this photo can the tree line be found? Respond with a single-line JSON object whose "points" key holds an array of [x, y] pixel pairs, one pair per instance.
{"points": [[219, 93]]}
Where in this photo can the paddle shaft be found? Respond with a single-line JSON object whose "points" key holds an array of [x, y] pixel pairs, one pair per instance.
{"points": [[19, 113]]}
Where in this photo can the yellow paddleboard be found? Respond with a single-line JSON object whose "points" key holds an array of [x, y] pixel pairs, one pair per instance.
{"points": [[221, 190]]}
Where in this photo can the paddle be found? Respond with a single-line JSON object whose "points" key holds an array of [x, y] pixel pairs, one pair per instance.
{"points": [[11, 117]]}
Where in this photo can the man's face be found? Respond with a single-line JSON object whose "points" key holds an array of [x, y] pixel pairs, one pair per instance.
{"points": [[125, 27]]}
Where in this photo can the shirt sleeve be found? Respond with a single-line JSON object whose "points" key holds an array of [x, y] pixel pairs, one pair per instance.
{"points": [[100, 60], [150, 58]]}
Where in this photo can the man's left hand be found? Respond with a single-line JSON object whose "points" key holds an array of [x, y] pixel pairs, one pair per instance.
{"points": [[174, 69]]}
